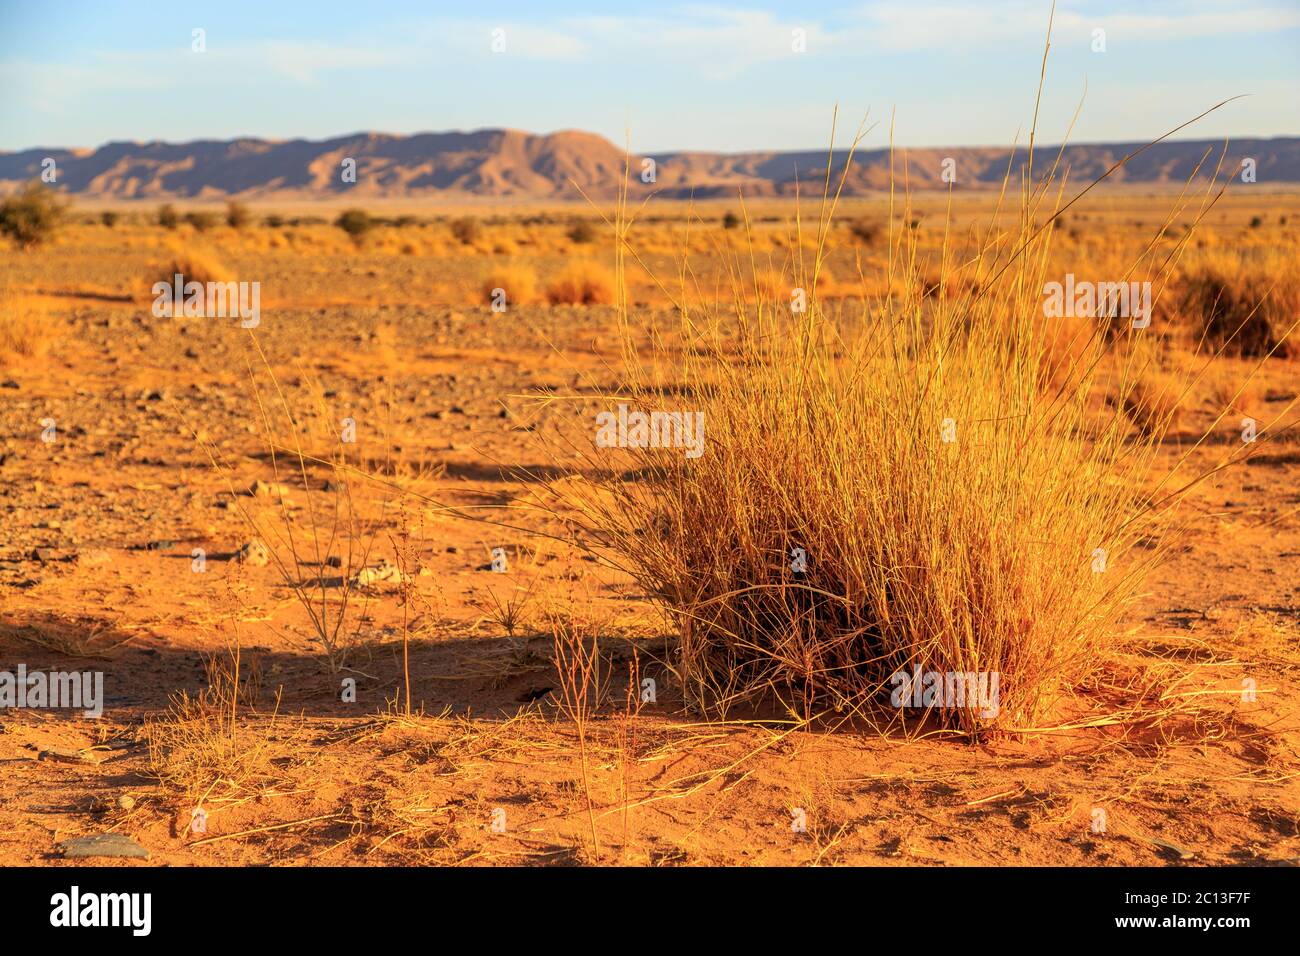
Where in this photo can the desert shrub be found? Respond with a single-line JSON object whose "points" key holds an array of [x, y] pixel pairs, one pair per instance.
{"points": [[581, 231], [770, 285], [167, 216], [237, 215], [198, 745], [1068, 351], [25, 329], [465, 230], [730, 220], [273, 221], [356, 223], [1232, 393], [825, 277], [879, 501], [1244, 310], [33, 215], [776, 287], [865, 231], [192, 266], [1154, 401], [404, 222], [1256, 222], [109, 218], [201, 220], [518, 281], [581, 283]]}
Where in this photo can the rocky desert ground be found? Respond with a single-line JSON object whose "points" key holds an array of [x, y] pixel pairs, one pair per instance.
{"points": [[264, 538]]}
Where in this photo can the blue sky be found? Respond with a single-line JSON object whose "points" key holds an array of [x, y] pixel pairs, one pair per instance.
{"points": [[672, 76]]}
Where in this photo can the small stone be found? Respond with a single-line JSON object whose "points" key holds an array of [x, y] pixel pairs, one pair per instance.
{"points": [[384, 572], [253, 553], [66, 756], [125, 802], [334, 561], [266, 489], [104, 844], [42, 555]]}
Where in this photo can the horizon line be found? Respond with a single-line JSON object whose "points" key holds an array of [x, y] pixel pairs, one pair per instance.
{"points": [[648, 153]]}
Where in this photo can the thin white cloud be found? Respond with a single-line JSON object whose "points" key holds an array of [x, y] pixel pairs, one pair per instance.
{"points": [[713, 42], [917, 25], [303, 62], [1242, 20]]}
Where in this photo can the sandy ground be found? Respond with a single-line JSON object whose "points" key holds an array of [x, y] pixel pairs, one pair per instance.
{"points": [[98, 557]]}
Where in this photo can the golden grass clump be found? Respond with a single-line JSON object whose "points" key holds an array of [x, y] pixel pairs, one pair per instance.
{"points": [[1246, 310], [1154, 402], [26, 330], [1070, 345], [192, 266], [582, 282], [201, 748], [518, 283], [882, 500], [769, 285], [1233, 392]]}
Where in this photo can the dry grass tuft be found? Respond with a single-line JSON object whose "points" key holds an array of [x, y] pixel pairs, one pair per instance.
{"points": [[1248, 310], [1070, 349], [582, 282], [886, 496], [202, 748], [1154, 402], [192, 265], [1234, 393], [26, 329], [517, 282]]}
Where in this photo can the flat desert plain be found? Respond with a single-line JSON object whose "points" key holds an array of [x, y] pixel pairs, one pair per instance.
{"points": [[262, 537]]}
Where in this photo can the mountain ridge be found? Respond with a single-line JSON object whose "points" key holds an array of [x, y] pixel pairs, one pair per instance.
{"points": [[509, 163]]}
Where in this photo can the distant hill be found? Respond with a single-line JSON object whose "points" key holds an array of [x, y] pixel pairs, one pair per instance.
{"points": [[512, 164]]}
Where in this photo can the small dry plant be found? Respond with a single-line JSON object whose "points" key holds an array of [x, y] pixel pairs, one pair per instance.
{"points": [[1246, 306], [578, 667], [511, 608], [200, 748], [27, 329], [320, 534]]}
